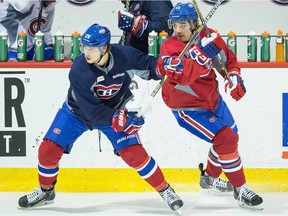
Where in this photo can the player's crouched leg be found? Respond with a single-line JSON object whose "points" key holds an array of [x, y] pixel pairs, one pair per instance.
{"points": [[136, 157], [49, 154]]}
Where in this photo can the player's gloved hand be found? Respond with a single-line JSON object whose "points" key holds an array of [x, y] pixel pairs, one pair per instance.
{"points": [[206, 49], [171, 66], [134, 24], [237, 89], [126, 121]]}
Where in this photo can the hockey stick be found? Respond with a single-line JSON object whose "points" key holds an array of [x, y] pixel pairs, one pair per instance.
{"points": [[189, 43], [123, 37], [218, 57], [39, 17]]}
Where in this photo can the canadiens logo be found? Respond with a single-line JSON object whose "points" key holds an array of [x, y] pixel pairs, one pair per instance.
{"points": [[33, 25], [102, 31], [81, 2], [212, 119], [106, 92], [214, 1], [281, 2], [56, 130]]}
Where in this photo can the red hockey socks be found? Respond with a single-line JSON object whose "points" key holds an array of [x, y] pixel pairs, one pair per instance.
{"points": [[136, 157], [49, 155], [213, 168], [226, 145]]}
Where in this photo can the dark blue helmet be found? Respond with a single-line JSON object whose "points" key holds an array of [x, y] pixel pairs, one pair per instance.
{"points": [[182, 12], [96, 36]]}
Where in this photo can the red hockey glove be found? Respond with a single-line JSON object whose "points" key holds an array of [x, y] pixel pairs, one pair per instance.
{"points": [[206, 49], [126, 121], [171, 66], [237, 88], [134, 24]]}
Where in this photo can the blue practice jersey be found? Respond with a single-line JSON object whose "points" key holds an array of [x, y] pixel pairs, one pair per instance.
{"points": [[95, 92], [157, 13]]}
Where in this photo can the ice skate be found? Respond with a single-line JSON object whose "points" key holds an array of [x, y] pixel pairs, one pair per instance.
{"points": [[247, 198], [172, 199], [216, 184], [38, 197]]}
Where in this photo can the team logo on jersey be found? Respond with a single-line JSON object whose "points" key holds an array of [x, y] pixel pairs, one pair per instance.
{"points": [[214, 1], [56, 130], [106, 92], [213, 119], [80, 2], [34, 23], [281, 2]]}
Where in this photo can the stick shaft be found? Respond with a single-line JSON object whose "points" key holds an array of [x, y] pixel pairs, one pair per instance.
{"points": [[39, 17], [124, 34], [218, 57]]}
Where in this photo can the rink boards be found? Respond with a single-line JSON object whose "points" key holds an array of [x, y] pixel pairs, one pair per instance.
{"points": [[127, 180], [33, 94]]}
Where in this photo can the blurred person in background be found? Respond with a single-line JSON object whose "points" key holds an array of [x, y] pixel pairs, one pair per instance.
{"points": [[141, 19], [28, 16], [137, 20]]}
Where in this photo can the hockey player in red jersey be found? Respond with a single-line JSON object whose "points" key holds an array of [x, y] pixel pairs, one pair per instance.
{"points": [[191, 91], [99, 89]]}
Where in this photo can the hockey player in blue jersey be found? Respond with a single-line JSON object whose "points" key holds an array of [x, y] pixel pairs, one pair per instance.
{"points": [[99, 89], [140, 19]]}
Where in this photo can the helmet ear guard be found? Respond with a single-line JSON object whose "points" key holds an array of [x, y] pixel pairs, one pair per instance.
{"points": [[183, 12]]}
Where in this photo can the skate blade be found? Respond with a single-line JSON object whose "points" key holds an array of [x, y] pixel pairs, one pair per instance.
{"points": [[179, 211], [257, 207], [47, 202]]}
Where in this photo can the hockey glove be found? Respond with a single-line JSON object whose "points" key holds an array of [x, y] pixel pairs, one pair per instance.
{"points": [[237, 88], [126, 121], [171, 66], [134, 24], [206, 49]]}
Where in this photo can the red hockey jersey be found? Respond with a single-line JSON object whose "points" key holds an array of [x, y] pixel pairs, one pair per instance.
{"points": [[199, 86]]}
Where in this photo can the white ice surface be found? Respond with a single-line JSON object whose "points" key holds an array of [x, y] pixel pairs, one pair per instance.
{"points": [[144, 204]]}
